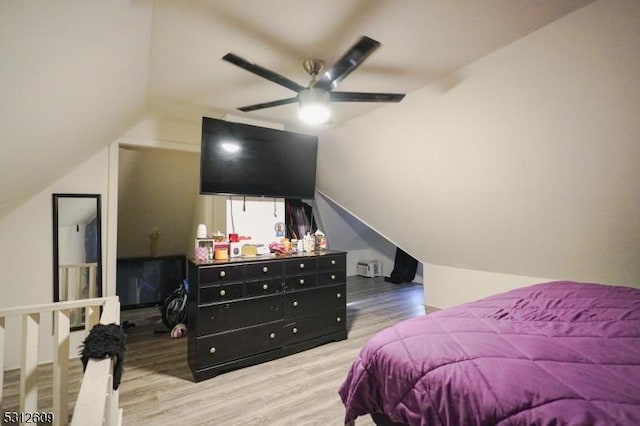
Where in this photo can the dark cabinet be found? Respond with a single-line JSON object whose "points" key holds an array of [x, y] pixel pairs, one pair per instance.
{"points": [[217, 349], [308, 302], [311, 326], [238, 314], [242, 312]]}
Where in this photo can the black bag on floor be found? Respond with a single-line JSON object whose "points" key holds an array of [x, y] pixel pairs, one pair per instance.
{"points": [[404, 268]]}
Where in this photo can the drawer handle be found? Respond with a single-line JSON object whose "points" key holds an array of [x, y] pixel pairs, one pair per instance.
{"points": [[212, 350], [333, 261], [265, 287], [338, 319], [272, 335], [295, 303], [222, 292], [295, 330], [302, 266], [339, 295], [222, 273], [301, 281], [265, 269], [333, 277]]}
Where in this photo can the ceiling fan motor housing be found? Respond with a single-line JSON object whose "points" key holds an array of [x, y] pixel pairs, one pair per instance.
{"points": [[313, 66]]}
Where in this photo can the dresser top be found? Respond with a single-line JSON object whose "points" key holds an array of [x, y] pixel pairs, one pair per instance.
{"points": [[266, 257]]}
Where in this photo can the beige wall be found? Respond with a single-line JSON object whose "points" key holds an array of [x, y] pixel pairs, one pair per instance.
{"points": [[74, 77], [26, 252], [171, 130], [157, 190], [522, 163]]}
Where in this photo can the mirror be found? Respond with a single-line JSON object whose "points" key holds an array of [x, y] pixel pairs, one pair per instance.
{"points": [[77, 260]]}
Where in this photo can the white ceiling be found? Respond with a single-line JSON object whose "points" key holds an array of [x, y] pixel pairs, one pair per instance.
{"points": [[422, 41], [75, 75]]}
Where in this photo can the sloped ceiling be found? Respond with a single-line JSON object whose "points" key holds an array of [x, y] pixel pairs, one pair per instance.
{"points": [[73, 77], [76, 74], [422, 40]]}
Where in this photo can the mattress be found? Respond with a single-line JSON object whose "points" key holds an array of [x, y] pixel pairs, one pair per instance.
{"points": [[552, 353]]}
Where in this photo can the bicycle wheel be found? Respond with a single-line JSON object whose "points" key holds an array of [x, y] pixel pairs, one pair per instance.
{"points": [[172, 314]]}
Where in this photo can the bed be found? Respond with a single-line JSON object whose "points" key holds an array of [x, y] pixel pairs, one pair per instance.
{"points": [[557, 353]]}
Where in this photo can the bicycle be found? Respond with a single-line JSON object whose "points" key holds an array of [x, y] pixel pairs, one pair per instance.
{"points": [[174, 309]]}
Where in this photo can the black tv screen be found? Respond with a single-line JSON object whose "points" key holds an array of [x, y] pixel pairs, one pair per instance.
{"points": [[241, 159]]}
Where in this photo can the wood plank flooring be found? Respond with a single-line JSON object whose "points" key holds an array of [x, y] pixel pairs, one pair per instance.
{"points": [[301, 389], [297, 390]]}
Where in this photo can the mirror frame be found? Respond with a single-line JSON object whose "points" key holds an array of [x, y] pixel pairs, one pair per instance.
{"points": [[56, 198]]}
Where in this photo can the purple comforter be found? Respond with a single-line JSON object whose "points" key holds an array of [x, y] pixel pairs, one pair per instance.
{"points": [[559, 353]]}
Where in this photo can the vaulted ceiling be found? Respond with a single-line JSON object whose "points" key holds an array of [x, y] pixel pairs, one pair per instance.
{"points": [[421, 42], [75, 75]]}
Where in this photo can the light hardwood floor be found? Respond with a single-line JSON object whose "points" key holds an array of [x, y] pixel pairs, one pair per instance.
{"points": [[301, 389]]}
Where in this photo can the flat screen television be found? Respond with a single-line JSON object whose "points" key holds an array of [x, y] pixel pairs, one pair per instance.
{"points": [[241, 159]]}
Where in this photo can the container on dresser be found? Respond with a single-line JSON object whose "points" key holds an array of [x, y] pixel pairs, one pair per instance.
{"points": [[249, 310]]}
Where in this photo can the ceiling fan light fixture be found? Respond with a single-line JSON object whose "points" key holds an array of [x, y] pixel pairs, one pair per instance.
{"points": [[314, 106], [314, 99]]}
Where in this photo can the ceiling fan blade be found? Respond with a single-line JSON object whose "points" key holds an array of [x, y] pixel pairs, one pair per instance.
{"points": [[347, 63], [263, 72], [269, 104], [365, 97]]}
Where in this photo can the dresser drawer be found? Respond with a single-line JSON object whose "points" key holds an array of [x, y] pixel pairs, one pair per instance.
{"points": [[240, 313], [219, 293], [263, 270], [332, 277], [221, 274], [223, 347], [332, 263], [299, 282], [299, 266], [312, 326], [247, 311], [264, 287], [307, 302]]}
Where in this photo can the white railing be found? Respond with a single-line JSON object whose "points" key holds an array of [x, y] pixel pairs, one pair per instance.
{"points": [[71, 280], [78, 281], [96, 394], [96, 391]]}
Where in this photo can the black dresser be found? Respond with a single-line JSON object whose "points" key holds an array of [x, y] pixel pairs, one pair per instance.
{"points": [[243, 312]]}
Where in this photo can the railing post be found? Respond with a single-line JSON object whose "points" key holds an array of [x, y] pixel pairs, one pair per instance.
{"points": [[78, 281], [111, 409], [92, 281], [96, 400], [61, 367], [91, 317], [29, 373], [64, 281]]}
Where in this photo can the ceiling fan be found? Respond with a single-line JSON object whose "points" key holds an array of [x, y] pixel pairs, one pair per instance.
{"points": [[314, 99]]}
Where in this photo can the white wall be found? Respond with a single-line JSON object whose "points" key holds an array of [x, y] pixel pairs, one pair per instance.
{"points": [[447, 286], [254, 217], [26, 252], [525, 165]]}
